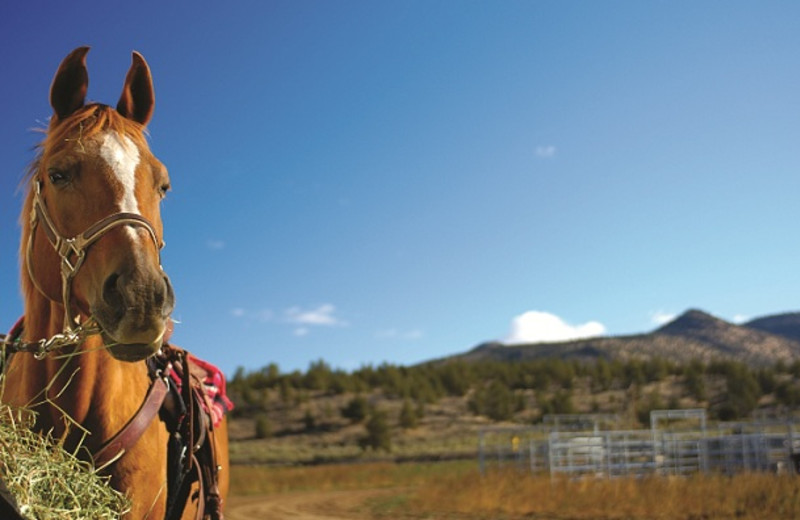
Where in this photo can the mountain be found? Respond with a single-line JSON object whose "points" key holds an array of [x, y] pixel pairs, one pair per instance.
{"points": [[694, 334], [694, 322], [786, 325]]}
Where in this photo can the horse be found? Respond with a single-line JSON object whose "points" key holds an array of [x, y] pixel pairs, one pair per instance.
{"points": [[98, 304]]}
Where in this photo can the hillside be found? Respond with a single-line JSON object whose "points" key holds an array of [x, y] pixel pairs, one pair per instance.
{"points": [[786, 325], [436, 410], [693, 335]]}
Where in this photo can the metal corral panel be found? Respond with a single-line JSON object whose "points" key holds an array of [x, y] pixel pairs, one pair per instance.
{"points": [[729, 448], [612, 453]]}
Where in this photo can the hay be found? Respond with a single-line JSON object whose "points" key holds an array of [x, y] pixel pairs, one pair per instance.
{"points": [[47, 481]]}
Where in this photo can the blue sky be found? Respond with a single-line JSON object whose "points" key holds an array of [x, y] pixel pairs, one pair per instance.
{"points": [[397, 181]]}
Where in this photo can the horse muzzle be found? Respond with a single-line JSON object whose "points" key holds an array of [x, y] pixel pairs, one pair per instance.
{"points": [[133, 311]]}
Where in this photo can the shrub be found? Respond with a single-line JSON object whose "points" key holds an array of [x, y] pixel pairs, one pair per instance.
{"points": [[787, 394], [560, 403], [653, 402], [356, 410], [408, 416], [743, 392], [495, 401], [378, 433], [309, 420], [263, 427], [695, 381]]}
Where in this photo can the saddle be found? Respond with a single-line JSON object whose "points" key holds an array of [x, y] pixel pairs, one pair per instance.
{"points": [[188, 395], [192, 409]]}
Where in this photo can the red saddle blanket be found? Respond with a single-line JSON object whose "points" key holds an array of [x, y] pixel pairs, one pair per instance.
{"points": [[213, 384]]}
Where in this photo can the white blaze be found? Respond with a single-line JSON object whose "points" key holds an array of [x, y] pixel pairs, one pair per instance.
{"points": [[123, 157]]}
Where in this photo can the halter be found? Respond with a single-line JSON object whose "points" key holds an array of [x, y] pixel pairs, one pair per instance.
{"points": [[72, 252]]}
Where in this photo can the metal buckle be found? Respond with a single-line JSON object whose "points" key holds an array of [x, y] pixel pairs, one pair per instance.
{"points": [[66, 251]]}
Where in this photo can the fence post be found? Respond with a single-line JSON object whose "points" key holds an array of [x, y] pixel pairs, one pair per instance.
{"points": [[481, 452], [745, 458], [704, 449], [792, 467]]}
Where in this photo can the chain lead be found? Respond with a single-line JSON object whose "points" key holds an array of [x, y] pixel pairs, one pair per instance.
{"points": [[40, 349]]}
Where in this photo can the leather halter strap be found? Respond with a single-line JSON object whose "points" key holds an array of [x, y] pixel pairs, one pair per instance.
{"points": [[115, 447], [72, 251]]}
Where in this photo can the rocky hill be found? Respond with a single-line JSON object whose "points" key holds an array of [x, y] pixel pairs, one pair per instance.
{"points": [[693, 335]]}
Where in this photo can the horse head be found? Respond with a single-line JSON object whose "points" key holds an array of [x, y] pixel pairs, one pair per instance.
{"points": [[93, 239]]}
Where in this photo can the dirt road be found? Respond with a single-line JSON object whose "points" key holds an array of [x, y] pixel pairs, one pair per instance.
{"points": [[315, 505]]}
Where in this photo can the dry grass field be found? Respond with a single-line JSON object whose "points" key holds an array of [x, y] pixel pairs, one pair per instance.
{"points": [[455, 490]]}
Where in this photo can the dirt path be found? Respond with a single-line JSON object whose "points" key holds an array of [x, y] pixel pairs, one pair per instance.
{"points": [[314, 505]]}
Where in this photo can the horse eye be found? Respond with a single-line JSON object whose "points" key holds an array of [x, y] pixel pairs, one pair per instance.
{"points": [[163, 189], [58, 177]]}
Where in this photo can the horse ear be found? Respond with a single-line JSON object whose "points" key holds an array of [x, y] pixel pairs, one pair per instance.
{"points": [[68, 90], [138, 98]]}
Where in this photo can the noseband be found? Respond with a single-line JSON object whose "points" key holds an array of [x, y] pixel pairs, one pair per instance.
{"points": [[72, 251]]}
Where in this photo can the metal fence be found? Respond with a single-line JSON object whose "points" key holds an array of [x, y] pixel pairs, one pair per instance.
{"points": [[679, 442]]}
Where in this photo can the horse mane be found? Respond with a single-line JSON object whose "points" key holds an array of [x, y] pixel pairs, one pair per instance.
{"points": [[87, 122]]}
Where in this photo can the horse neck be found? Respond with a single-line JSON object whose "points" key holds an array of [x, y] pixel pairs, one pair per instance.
{"points": [[90, 387]]}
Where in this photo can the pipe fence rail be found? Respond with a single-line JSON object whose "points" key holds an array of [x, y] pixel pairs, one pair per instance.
{"points": [[679, 442]]}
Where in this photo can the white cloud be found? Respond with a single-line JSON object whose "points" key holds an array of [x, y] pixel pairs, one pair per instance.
{"points": [[215, 245], [262, 315], [302, 320], [661, 317], [322, 315], [413, 334], [740, 318], [545, 151], [538, 327], [409, 335]]}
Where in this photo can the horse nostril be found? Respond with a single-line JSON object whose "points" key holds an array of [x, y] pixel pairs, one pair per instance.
{"points": [[167, 299], [160, 294], [111, 293]]}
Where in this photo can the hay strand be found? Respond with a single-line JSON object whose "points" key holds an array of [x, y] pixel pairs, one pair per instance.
{"points": [[48, 482]]}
